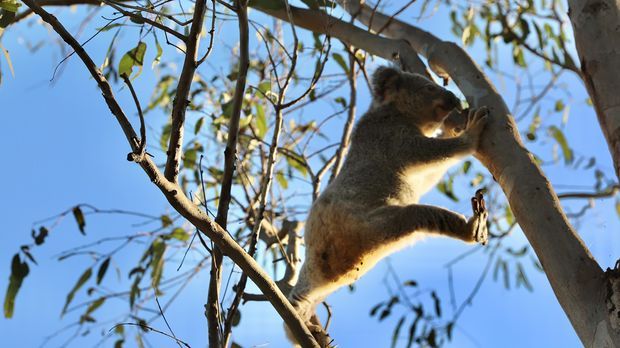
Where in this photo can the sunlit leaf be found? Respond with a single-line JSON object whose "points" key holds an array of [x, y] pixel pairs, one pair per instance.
{"points": [[261, 121], [340, 60], [165, 221], [10, 5], [559, 137], [158, 55], [8, 58], [282, 181], [157, 262], [178, 234], [133, 58]]}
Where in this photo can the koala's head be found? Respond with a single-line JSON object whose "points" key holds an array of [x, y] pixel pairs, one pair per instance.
{"points": [[414, 95]]}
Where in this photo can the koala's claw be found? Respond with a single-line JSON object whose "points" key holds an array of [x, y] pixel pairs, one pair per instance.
{"points": [[478, 222]]}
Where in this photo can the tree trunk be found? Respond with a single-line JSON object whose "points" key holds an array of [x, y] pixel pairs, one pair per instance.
{"points": [[596, 24]]}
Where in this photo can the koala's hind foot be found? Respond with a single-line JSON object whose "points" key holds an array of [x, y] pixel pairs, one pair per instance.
{"points": [[477, 224]]}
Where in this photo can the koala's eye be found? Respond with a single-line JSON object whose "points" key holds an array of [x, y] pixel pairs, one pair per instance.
{"points": [[430, 88]]}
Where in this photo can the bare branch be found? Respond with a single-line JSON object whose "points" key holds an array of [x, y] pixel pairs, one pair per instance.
{"points": [[183, 89], [608, 192], [230, 157], [142, 141], [147, 20], [348, 126], [320, 22]]}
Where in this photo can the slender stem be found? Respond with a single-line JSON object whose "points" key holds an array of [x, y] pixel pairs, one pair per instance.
{"points": [[230, 156], [181, 100]]}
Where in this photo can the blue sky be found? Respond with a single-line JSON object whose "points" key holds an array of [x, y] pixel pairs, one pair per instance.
{"points": [[61, 147]]}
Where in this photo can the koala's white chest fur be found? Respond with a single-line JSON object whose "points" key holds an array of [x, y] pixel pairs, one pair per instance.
{"points": [[419, 179]]}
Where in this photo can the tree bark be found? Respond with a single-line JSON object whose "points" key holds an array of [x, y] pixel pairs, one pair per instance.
{"points": [[596, 24]]}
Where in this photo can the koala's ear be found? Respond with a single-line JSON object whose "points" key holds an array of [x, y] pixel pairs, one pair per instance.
{"points": [[385, 81]]}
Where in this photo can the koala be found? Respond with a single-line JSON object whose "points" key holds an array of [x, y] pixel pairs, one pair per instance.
{"points": [[371, 208]]}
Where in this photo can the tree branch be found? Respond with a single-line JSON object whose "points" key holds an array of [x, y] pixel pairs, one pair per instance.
{"points": [[230, 157], [322, 23], [183, 88]]}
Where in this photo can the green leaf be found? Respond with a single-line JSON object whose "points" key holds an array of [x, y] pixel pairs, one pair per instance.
{"points": [[510, 219], [446, 187], [518, 57], [93, 306], [83, 278], [261, 121], [165, 221], [79, 218], [133, 58], [559, 137], [536, 121], [265, 87], [157, 262], [165, 136], [396, 333], [189, 158], [6, 54], [340, 60], [296, 163], [198, 125], [19, 271], [102, 270], [160, 51], [284, 183], [10, 5], [178, 234], [559, 105], [522, 278]]}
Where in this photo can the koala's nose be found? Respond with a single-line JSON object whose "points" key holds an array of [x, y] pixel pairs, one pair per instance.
{"points": [[452, 101]]}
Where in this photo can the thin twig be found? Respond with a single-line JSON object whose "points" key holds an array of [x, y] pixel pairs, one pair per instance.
{"points": [[230, 155], [142, 141], [181, 100]]}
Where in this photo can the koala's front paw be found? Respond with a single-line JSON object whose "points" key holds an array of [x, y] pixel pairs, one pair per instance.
{"points": [[476, 120], [478, 223]]}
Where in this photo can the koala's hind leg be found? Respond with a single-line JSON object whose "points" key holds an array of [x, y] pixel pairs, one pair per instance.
{"points": [[398, 222]]}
